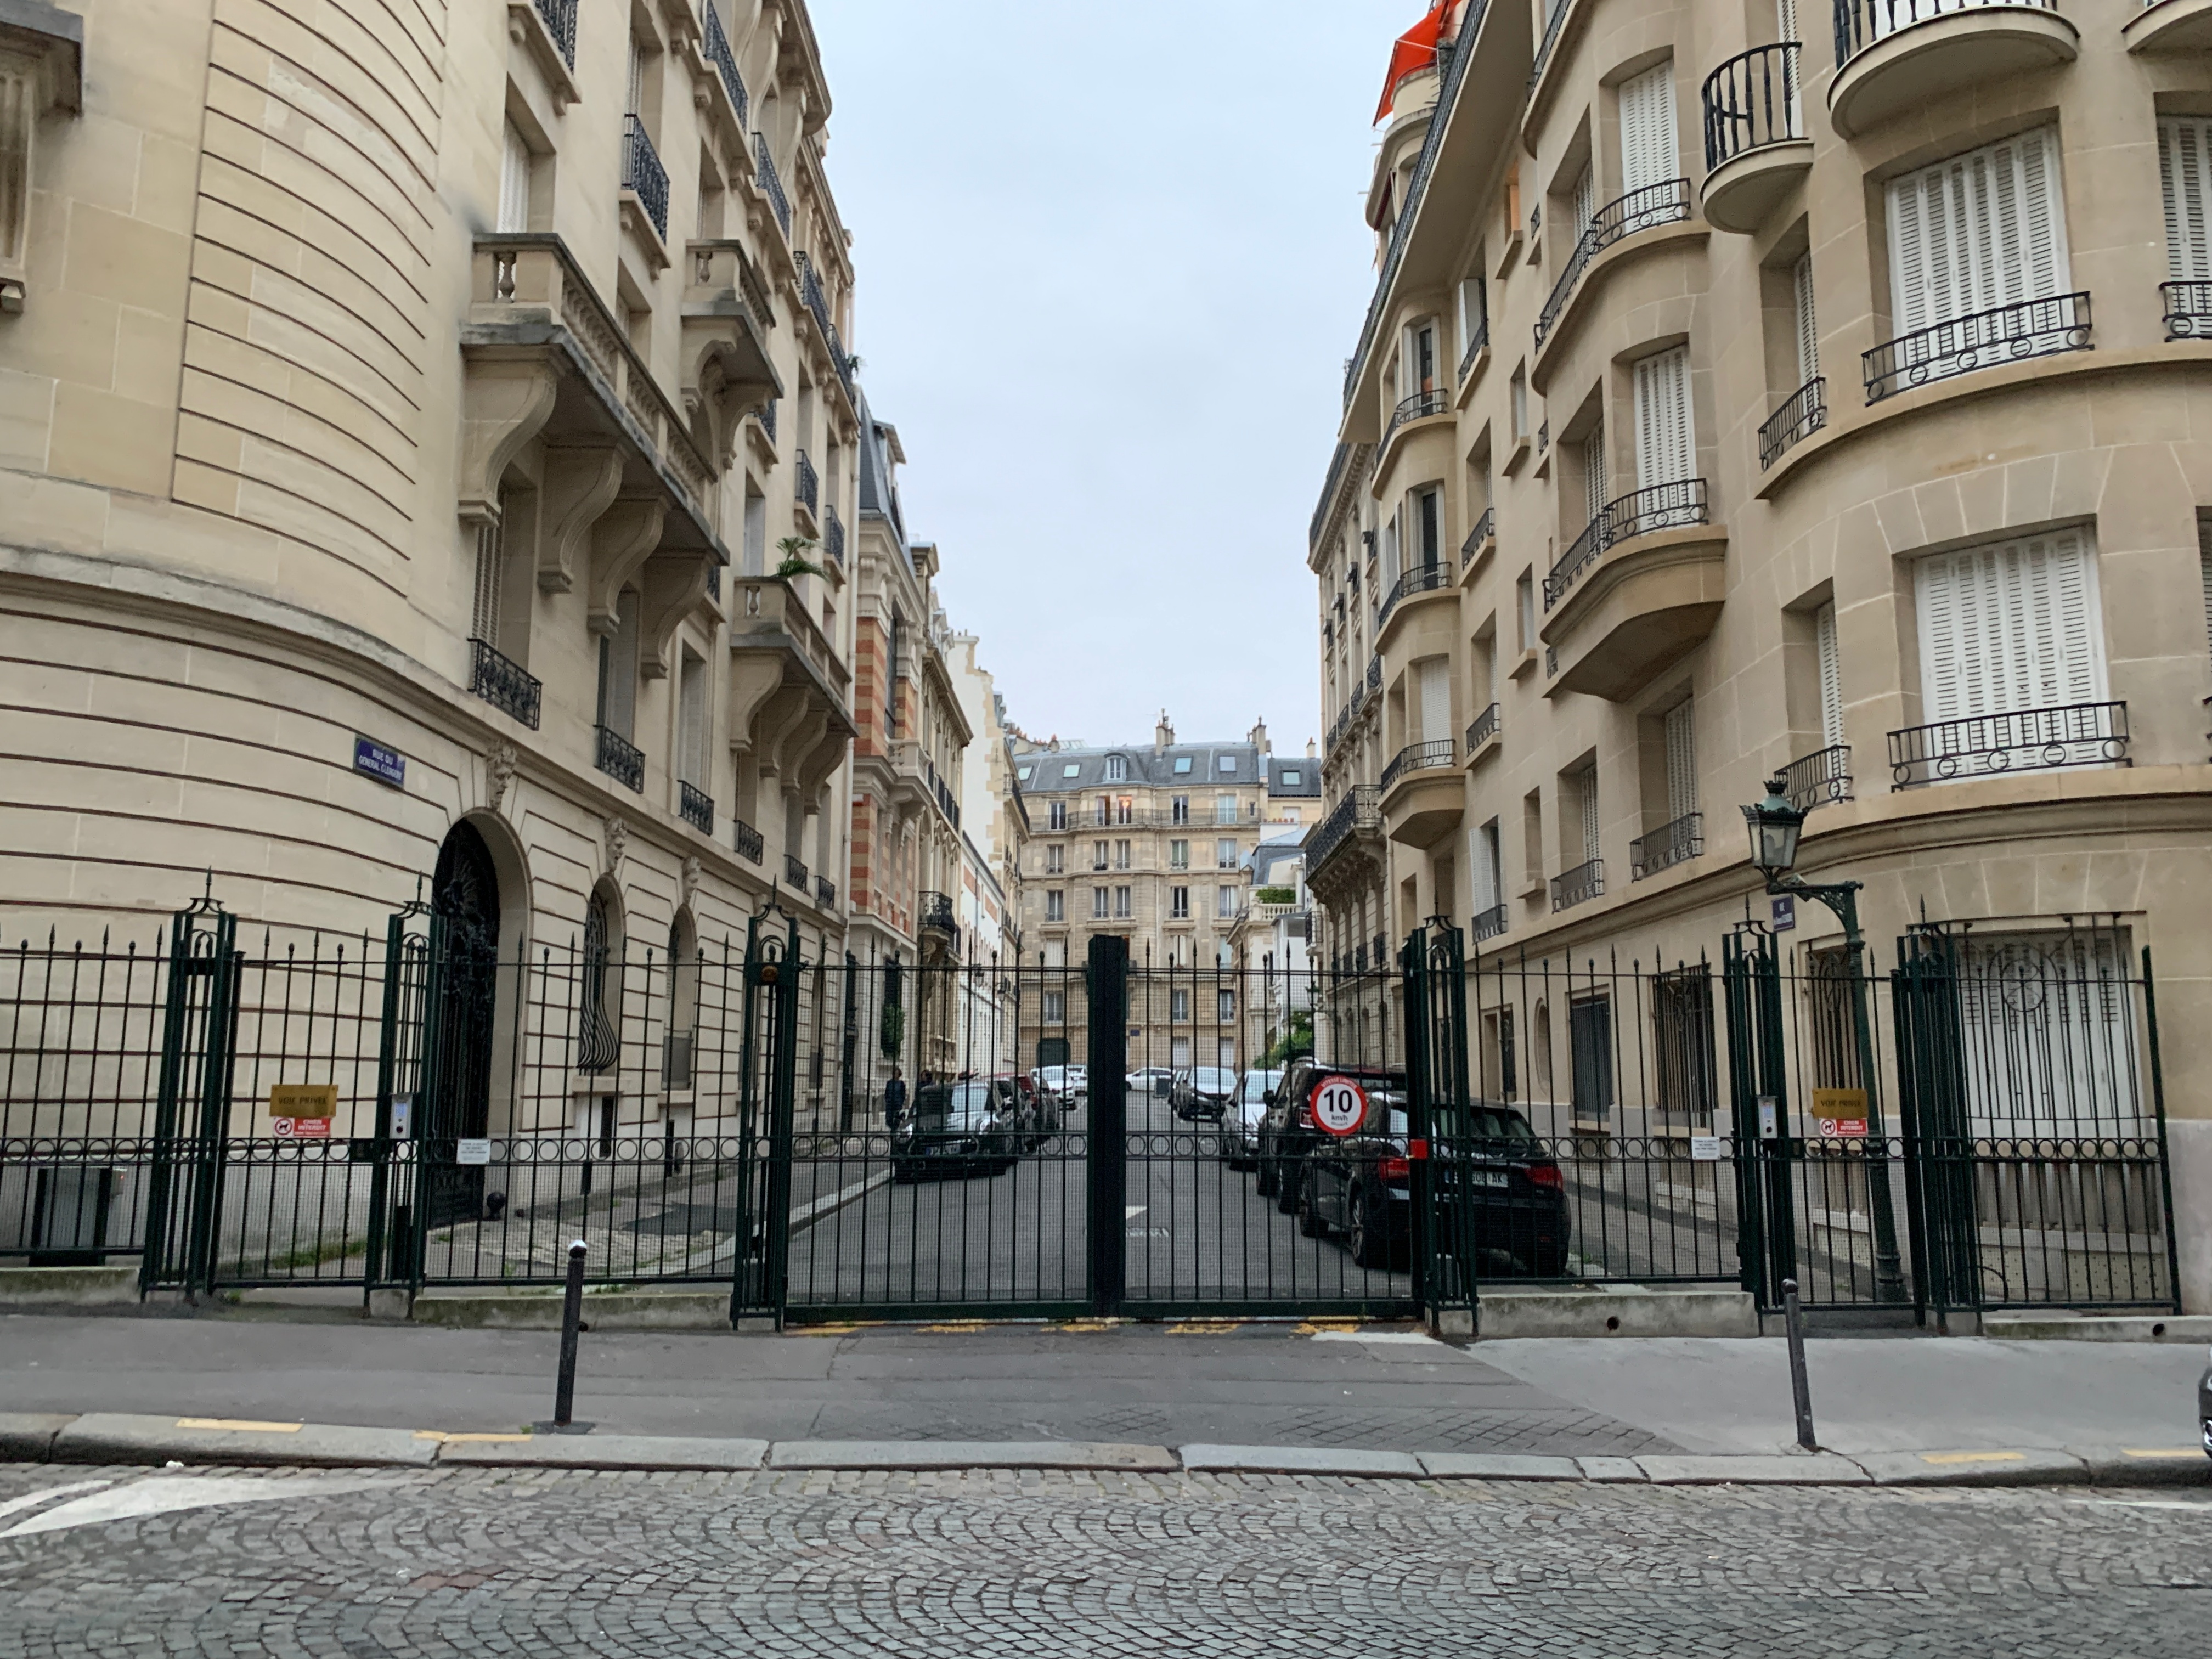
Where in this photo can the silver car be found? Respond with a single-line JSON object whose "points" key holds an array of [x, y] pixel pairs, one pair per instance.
{"points": [[1240, 1128]]}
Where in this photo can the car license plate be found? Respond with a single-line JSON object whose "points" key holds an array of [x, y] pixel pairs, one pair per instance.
{"points": [[1488, 1178]]}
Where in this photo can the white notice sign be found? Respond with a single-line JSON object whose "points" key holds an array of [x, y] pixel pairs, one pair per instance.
{"points": [[1705, 1149], [472, 1152]]}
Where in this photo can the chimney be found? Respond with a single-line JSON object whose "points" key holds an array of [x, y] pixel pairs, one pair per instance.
{"points": [[1257, 736], [1310, 749], [1163, 735]]}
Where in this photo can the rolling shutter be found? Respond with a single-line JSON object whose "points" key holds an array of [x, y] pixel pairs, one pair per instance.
{"points": [[2205, 572], [1808, 332], [1981, 230], [2009, 627], [1436, 700], [1665, 446], [1832, 676], [1649, 152], [2185, 161], [1681, 761]]}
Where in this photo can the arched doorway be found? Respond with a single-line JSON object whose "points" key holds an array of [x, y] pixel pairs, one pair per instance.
{"points": [[462, 1004]]}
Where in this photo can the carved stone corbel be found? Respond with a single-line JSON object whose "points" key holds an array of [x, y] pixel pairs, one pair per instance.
{"points": [[505, 402], [824, 759], [754, 676], [580, 485], [673, 584], [621, 541]]}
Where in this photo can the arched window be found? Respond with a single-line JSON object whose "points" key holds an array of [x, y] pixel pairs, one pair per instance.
{"points": [[676, 1065], [1117, 769], [598, 1029]]}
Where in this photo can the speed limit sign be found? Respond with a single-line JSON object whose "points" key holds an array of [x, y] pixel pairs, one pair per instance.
{"points": [[1340, 1106]]}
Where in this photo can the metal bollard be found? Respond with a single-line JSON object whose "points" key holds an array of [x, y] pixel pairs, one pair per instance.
{"points": [[572, 1315], [1801, 1385]]}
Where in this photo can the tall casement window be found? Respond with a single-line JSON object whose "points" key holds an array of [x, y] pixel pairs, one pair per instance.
{"points": [[1831, 674], [1099, 903], [1123, 907], [616, 701], [1979, 231], [1058, 815], [1055, 906], [1418, 371], [1429, 528], [1665, 446], [2009, 627], [2205, 572], [1520, 403], [1679, 727], [514, 182], [1474, 311], [2185, 179], [1179, 904], [1178, 855], [1806, 325], [1649, 153], [1056, 860], [1586, 808], [1435, 681], [1117, 768], [1585, 198], [691, 724], [1489, 869], [1594, 480], [1524, 608]]}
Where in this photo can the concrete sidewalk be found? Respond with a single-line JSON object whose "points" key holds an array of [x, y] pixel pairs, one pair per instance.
{"points": [[1323, 1385]]}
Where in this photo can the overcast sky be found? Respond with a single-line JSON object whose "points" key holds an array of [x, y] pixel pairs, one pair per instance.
{"points": [[1110, 263]]}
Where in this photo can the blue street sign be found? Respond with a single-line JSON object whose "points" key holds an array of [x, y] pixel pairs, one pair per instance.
{"points": [[385, 765], [1785, 912]]}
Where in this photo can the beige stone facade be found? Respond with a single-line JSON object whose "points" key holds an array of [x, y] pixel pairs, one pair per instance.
{"points": [[447, 377], [1722, 411]]}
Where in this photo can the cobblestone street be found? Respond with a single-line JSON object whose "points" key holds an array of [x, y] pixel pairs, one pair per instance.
{"points": [[1047, 1564]]}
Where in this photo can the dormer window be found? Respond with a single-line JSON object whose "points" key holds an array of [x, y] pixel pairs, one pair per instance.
{"points": [[1117, 769]]}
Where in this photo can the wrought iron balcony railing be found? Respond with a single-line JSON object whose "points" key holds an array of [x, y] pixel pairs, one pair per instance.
{"points": [[1668, 844], [809, 485], [1482, 729], [825, 892], [2033, 328], [642, 174], [1553, 20], [1375, 672], [1420, 757], [1423, 578], [832, 535], [2020, 740], [750, 843], [1861, 24], [1818, 778], [2188, 310], [934, 910], [766, 416], [1358, 809], [1419, 406], [505, 684], [810, 290], [1479, 538], [621, 760], [560, 19], [724, 60], [1573, 887], [794, 872], [1477, 336], [697, 806], [1489, 924], [1803, 412], [1752, 100], [1664, 204], [771, 187], [1327, 488], [1639, 513]]}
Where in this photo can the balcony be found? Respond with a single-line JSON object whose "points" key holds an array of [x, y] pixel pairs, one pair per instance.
{"points": [[794, 872], [1422, 793], [1897, 55], [724, 60], [696, 805], [546, 31], [1419, 407], [644, 177], [2033, 328], [764, 175], [616, 755], [2188, 308], [1627, 616], [1819, 779], [748, 842], [2170, 26], [1804, 412], [1582, 883], [1481, 732], [833, 536], [1668, 844], [1423, 579], [1358, 816], [1481, 541], [1375, 672], [1639, 513], [825, 892], [505, 685], [2023, 740], [788, 689], [1756, 148], [1657, 204], [1478, 342], [817, 307], [1491, 923], [933, 914], [808, 489]]}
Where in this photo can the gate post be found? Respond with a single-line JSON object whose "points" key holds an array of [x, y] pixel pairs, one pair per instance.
{"points": [[768, 1085], [1767, 1231], [1107, 1149], [192, 1120], [1433, 970]]}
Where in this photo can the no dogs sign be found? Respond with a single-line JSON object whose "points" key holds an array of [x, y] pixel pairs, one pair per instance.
{"points": [[1340, 1106]]}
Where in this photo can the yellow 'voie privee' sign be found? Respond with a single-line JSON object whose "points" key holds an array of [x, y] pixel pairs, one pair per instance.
{"points": [[303, 1100], [1839, 1103]]}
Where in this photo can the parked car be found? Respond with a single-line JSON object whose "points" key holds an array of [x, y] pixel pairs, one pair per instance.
{"points": [[1203, 1091], [1500, 1195], [955, 1130], [1362, 1184], [1034, 1118], [2204, 1408], [1064, 1084], [1287, 1129], [1151, 1080], [1239, 1138]]}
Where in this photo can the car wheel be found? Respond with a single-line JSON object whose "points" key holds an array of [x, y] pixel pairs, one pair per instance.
{"points": [[1370, 1229], [1310, 1225], [1289, 1184], [1264, 1184]]}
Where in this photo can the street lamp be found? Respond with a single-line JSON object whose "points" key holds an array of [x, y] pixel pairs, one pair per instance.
{"points": [[1777, 824]]}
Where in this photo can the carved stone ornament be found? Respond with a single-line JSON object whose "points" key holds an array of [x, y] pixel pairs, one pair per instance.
{"points": [[617, 842], [690, 877], [499, 773]]}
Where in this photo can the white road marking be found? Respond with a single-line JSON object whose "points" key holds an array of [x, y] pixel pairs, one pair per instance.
{"points": [[1131, 1212], [2198, 1507], [31, 1500], [165, 1494], [1375, 1336]]}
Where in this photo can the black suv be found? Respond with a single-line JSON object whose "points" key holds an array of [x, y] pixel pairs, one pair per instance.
{"points": [[1500, 1197], [1362, 1184], [1287, 1132]]}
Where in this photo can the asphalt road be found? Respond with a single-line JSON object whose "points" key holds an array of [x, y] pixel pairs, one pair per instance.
{"points": [[291, 1564]]}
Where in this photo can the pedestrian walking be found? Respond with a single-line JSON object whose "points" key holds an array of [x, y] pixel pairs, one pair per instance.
{"points": [[894, 1100]]}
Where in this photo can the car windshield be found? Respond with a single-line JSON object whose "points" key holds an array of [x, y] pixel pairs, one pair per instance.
{"points": [[972, 1097], [1499, 1123], [1257, 1083], [1213, 1080]]}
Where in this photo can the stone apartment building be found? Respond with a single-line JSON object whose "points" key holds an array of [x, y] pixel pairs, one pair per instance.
{"points": [[1753, 391], [401, 413]]}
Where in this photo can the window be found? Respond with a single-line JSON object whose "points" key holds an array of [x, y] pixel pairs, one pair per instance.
{"points": [[1681, 761], [1434, 678], [1418, 369], [1055, 906], [1224, 809], [1831, 674], [1590, 1034], [1121, 855], [1178, 855], [1056, 860], [1071, 769], [1102, 809], [1489, 869], [1179, 809], [1098, 855], [514, 182], [1981, 230], [691, 724], [1292, 777], [1225, 854], [1181, 765], [2012, 627], [1682, 1042], [1023, 772], [1666, 448], [1055, 1007], [1098, 902], [1179, 1004], [1224, 902], [1474, 311], [1224, 1004], [1649, 153], [1428, 526], [2185, 179], [1806, 325], [1058, 819], [1225, 764], [1179, 1053], [1125, 808], [1593, 495], [617, 691], [1224, 1053], [1121, 904], [1179, 904], [1117, 768], [1585, 199], [2204, 572], [1521, 402], [1524, 608]]}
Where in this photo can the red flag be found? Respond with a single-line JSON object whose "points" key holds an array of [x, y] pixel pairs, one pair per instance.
{"points": [[1416, 49]]}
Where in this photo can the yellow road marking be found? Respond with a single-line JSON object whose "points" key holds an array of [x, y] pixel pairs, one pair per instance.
{"points": [[1084, 1325], [1974, 1457], [846, 1329], [237, 1426], [1311, 1326], [1206, 1328], [956, 1328]]}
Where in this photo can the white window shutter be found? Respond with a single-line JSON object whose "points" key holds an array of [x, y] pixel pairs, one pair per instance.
{"points": [[2184, 156], [1649, 152], [1666, 447], [1832, 676], [1786, 15], [1594, 482], [1808, 332], [2012, 627], [1585, 198], [1436, 700], [1978, 231], [1588, 790], [514, 183], [2204, 572], [1681, 761]]}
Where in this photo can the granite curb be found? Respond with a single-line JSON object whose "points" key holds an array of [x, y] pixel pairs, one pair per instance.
{"points": [[125, 1438]]}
